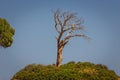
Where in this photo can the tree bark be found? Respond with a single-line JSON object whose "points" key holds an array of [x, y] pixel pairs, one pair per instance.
{"points": [[59, 55]]}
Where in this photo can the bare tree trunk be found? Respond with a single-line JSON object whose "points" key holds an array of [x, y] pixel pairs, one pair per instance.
{"points": [[59, 55], [67, 26]]}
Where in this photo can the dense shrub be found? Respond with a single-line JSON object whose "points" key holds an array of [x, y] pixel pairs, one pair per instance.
{"points": [[69, 71]]}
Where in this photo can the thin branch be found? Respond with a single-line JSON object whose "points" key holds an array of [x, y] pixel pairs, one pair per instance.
{"points": [[59, 21], [59, 37], [75, 35], [56, 24], [73, 29], [56, 28], [67, 18]]}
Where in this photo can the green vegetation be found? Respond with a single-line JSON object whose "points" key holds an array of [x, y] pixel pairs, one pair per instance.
{"points": [[6, 33], [69, 71]]}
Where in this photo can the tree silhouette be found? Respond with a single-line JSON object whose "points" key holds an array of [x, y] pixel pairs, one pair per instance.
{"points": [[6, 33], [67, 25]]}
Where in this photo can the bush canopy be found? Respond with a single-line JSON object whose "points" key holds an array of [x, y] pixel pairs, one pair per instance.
{"points": [[69, 71]]}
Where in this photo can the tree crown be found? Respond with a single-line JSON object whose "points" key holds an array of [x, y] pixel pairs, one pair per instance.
{"points": [[6, 33]]}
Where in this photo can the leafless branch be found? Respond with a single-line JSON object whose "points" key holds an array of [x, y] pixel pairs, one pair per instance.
{"points": [[67, 23], [56, 23], [73, 29], [75, 35]]}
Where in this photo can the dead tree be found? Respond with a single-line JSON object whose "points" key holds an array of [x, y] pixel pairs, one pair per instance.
{"points": [[67, 25]]}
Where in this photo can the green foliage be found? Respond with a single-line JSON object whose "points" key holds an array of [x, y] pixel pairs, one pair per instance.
{"points": [[6, 33], [69, 71]]}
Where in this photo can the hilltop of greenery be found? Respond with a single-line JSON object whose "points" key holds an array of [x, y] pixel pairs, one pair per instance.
{"points": [[69, 71]]}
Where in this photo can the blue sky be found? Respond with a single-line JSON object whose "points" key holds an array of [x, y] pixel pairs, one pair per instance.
{"points": [[34, 40]]}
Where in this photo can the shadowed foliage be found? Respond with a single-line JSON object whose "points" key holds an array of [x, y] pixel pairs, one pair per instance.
{"points": [[69, 71], [6, 33]]}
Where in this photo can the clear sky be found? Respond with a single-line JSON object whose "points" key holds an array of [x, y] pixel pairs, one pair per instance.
{"points": [[34, 40]]}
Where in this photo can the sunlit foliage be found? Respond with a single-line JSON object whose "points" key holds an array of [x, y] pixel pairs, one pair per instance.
{"points": [[6, 33], [69, 71]]}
